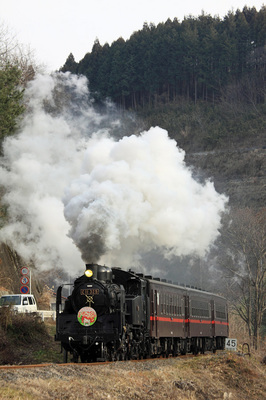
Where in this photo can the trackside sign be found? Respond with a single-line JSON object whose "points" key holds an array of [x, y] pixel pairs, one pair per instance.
{"points": [[231, 344]]}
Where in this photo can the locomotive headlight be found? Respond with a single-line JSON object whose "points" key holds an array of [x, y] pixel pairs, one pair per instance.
{"points": [[88, 273]]}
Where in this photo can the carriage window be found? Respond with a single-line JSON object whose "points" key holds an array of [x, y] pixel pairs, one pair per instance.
{"points": [[220, 311], [200, 308]]}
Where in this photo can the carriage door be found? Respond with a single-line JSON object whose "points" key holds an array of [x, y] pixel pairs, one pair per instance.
{"points": [[156, 305], [154, 313], [187, 316], [213, 333]]}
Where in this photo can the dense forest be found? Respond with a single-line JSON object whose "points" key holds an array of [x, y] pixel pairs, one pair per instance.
{"points": [[203, 58]]}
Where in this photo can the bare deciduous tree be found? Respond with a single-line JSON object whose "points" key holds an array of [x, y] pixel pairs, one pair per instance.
{"points": [[243, 257], [17, 55]]}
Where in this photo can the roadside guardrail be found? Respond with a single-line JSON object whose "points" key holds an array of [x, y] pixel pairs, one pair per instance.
{"points": [[46, 314]]}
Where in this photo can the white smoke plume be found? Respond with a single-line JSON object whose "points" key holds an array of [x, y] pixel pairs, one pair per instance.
{"points": [[135, 195], [69, 185]]}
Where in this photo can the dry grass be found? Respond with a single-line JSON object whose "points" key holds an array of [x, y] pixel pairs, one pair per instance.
{"points": [[222, 376]]}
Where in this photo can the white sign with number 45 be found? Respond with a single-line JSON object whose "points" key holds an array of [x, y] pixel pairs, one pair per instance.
{"points": [[231, 344]]}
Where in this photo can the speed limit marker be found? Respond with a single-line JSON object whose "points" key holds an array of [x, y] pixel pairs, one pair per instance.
{"points": [[231, 344]]}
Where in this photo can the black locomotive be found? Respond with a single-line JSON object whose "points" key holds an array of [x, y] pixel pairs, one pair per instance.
{"points": [[116, 315]]}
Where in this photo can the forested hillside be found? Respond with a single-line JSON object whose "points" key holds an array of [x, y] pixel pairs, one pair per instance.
{"points": [[204, 58], [203, 80]]}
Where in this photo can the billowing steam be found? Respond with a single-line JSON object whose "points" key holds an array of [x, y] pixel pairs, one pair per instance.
{"points": [[136, 195], [69, 185]]}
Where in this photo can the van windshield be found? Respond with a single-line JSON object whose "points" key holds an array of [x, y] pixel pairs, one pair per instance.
{"points": [[10, 300]]}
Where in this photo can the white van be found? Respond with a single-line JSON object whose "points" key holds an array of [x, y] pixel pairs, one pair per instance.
{"points": [[19, 302]]}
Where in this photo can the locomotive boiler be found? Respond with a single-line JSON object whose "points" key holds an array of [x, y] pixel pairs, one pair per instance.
{"points": [[113, 314]]}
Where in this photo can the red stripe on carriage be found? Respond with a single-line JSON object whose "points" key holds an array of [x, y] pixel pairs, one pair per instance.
{"points": [[192, 321], [198, 321], [167, 319], [220, 323]]}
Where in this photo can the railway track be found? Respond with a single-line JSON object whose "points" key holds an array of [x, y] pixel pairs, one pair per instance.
{"points": [[29, 366]]}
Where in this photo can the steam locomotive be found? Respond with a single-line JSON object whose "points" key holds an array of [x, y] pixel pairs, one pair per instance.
{"points": [[113, 314]]}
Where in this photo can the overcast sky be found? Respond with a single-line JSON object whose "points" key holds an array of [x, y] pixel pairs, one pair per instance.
{"points": [[54, 28]]}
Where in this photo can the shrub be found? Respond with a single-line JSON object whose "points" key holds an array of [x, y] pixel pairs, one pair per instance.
{"points": [[26, 328]]}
